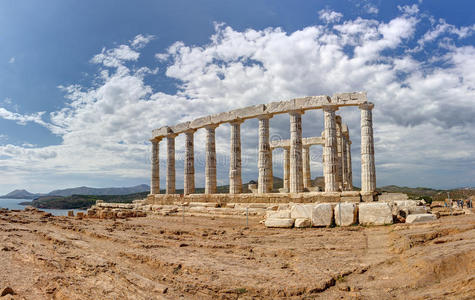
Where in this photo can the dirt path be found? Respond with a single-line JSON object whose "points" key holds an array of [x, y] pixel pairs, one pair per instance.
{"points": [[162, 258]]}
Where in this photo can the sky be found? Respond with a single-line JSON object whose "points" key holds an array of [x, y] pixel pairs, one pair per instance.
{"points": [[83, 83]]}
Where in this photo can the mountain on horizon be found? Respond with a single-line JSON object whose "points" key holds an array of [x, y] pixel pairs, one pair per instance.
{"points": [[83, 190]]}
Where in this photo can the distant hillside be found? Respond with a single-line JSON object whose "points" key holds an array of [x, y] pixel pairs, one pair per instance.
{"points": [[83, 190], [20, 194]]}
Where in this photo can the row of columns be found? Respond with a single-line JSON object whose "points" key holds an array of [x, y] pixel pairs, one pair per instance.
{"points": [[336, 157]]}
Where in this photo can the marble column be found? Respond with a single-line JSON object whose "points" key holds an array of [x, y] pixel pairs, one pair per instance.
{"points": [[155, 183], [170, 189], [344, 164], [307, 177], [265, 157], [368, 172], [330, 149], [348, 165], [235, 179], [339, 171], [296, 170], [189, 168], [210, 167], [286, 169]]}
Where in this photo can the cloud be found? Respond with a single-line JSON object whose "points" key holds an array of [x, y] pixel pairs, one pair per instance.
{"points": [[329, 16], [141, 41], [371, 9], [423, 111], [409, 10], [11, 60]]}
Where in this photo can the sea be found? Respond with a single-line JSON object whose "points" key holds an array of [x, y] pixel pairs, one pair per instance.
{"points": [[14, 204]]}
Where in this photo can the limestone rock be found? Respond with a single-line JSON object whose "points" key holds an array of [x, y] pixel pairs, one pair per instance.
{"points": [[302, 223], [279, 223], [322, 215], [420, 218], [375, 214], [415, 210], [300, 211], [348, 214], [280, 214]]}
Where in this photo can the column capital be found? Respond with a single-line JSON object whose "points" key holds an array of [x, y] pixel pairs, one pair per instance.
{"points": [[329, 107], [296, 111], [189, 131], [367, 105], [307, 147], [211, 126], [265, 117], [156, 140], [171, 135], [236, 122]]}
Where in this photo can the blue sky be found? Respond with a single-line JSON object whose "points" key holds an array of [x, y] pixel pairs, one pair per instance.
{"points": [[82, 83]]}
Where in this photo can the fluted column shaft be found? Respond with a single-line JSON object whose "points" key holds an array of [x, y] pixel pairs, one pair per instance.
{"points": [[189, 168], [339, 171], [330, 150], [344, 163], [155, 182], [264, 162], [210, 167], [286, 169], [296, 170], [349, 166], [170, 189], [368, 170], [307, 177], [235, 176]]}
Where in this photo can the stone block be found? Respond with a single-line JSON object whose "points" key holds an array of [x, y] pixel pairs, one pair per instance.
{"points": [[349, 214], [302, 223], [279, 223], [420, 218], [322, 215], [279, 214], [415, 210], [299, 211], [375, 214]]}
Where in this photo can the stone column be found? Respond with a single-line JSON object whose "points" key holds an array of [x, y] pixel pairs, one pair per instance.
{"points": [[348, 165], [170, 163], [368, 172], [307, 177], [296, 171], [344, 164], [339, 171], [189, 168], [210, 168], [330, 149], [155, 183], [235, 179], [265, 157], [286, 169]]}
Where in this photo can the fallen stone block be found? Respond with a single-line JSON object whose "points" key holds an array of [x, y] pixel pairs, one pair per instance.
{"points": [[302, 223], [349, 214], [322, 215], [420, 218], [279, 223], [416, 210], [375, 214], [301, 211], [279, 214]]}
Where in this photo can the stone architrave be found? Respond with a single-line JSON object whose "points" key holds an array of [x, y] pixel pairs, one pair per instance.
{"points": [[210, 163], [307, 181], [286, 169], [265, 157], [155, 184], [330, 149], [368, 172], [170, 189], [296, 170], [235, 178], [189, 168]]}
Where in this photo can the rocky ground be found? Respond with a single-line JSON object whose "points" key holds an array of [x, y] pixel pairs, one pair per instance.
{"points": [[45, 257]]}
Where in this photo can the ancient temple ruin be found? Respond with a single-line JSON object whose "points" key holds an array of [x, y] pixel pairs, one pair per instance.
{"points": [[335, 140]]}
